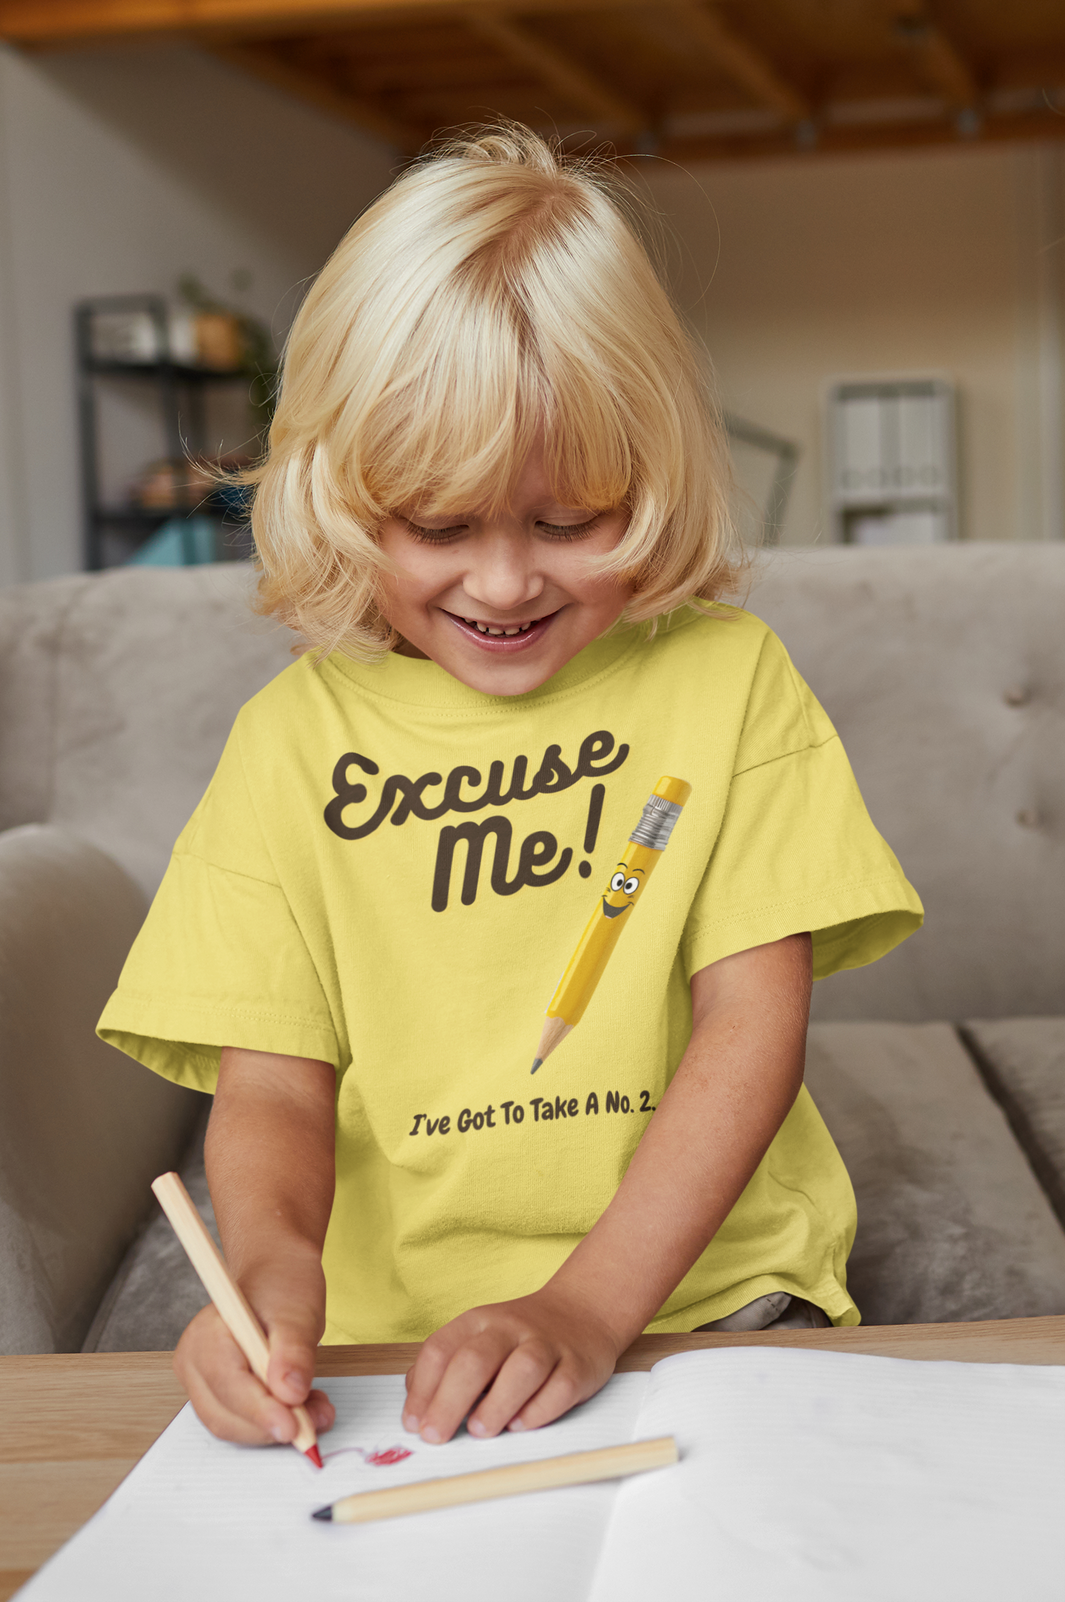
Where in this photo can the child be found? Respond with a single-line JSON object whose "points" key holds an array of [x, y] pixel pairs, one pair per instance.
{"points": [[495, 500]]}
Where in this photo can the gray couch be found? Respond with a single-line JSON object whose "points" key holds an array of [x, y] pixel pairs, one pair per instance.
{"points": [[940, 1071]]}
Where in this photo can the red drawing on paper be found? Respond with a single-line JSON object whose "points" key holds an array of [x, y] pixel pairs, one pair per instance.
{"points": [[385, 1456], [381, 1457]]}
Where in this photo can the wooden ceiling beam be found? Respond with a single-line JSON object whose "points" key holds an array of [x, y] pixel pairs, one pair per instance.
{"points": [[276, 67], [939, 62], [566, 77], [57, 22], [730, 53]]}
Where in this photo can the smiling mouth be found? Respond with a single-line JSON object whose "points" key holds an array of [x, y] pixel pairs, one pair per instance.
{"points": [[501, 636], [614, 912], [504, 630]]}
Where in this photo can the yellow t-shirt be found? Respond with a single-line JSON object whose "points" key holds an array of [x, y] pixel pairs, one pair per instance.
{"points": [[390, 870]]}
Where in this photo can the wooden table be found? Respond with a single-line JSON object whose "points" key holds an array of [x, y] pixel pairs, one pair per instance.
{"points": [[72, 1427]]}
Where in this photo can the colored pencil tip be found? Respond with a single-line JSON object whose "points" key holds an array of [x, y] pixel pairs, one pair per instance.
{"points": [[323, 1513], [537, 1064], [316, 1458]]}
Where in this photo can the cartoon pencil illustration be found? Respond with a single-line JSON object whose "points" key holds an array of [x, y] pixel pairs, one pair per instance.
{"points": [[627, 880]]}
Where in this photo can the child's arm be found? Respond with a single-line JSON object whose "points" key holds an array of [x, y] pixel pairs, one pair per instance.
{"points": [[544, 1353], [270, 1163]]}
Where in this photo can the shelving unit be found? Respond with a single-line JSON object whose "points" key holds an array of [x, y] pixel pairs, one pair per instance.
{"points": [[892, 453], [113, 532]]}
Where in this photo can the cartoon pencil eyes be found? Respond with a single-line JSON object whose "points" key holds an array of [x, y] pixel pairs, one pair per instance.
{"points": [[619, 882]]}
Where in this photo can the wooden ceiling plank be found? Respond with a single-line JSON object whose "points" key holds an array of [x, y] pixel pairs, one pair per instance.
{"points": [[449, 112], [938, 60], [730, 53], [557, 70], [273, 67], [374, 78]]}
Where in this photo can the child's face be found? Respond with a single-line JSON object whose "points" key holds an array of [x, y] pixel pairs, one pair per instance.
{"points": [[525, 568]]}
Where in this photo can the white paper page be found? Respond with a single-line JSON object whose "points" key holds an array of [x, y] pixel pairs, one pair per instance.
{"points": [[199, 1520], [821, 1477]]}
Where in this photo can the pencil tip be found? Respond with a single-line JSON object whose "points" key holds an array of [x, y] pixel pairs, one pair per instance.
{"points": [[315, 1456], [537, 1064], [323, 1513]]}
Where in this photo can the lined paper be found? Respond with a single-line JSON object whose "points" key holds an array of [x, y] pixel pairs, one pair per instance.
{"points": [[815, 1476], [200, 1519]]}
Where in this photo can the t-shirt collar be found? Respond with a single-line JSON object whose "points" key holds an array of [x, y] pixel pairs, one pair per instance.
{"points": [[422, 683]]}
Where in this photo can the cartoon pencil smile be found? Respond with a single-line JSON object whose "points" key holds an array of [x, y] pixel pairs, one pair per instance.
{"points": [[626, 883]]}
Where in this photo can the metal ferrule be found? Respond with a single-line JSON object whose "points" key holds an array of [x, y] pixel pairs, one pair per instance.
{"points": [[657, 822]]}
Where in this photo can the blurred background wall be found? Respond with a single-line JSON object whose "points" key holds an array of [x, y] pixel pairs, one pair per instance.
{"points": [[124, 165], [932, 259], [119, 169]]}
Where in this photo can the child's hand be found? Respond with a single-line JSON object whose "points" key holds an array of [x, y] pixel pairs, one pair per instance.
{"points": [[226, 1394], [536, 1357], [269, 1153]]}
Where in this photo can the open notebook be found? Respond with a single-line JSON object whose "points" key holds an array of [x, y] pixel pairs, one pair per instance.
{"points": [[807, 1475]]}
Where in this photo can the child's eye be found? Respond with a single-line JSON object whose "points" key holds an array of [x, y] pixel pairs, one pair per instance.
{"points": [[569, 531], [434, 536]]}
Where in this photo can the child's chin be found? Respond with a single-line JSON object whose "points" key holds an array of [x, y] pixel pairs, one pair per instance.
{"points": [[497, 675]]}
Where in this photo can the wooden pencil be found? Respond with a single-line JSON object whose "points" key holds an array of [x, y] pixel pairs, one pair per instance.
{"points": [[577, 1468], [222, 1288]]}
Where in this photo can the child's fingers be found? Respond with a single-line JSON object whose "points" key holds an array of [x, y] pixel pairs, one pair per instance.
{"points": [[224, 1392], [563, 1390], [293, 1344], [323, 1413], [242, 1410], [471, 1370], [425, 1376], [522, 1377]]}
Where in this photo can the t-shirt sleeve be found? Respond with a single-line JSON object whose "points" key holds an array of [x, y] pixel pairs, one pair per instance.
{"points": [[220, 960], [797, 849]]}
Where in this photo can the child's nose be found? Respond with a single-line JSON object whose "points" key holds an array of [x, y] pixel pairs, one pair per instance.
{"points": [[503, 576]]}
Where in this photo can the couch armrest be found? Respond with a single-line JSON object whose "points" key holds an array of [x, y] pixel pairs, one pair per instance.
{"points": [[83, 1130]]}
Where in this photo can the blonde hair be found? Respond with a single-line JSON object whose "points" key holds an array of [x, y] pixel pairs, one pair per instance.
{"points": [[494, 295]]}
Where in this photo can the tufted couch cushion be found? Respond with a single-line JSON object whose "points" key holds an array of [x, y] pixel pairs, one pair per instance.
{"points": [[156, 1290], [952, 1222], [82, 1129], [1023, 1063], [943, 668], [118, 693]]}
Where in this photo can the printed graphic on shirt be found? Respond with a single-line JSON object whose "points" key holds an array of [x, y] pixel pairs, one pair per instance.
{"points": [[544, 1110], [540, 860]]}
